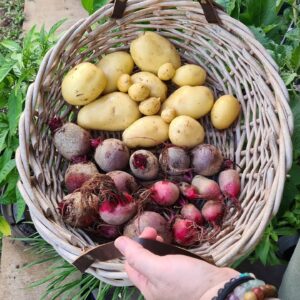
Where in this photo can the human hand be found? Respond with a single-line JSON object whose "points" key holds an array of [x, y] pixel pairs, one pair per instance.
{"points": [[171, 276]]}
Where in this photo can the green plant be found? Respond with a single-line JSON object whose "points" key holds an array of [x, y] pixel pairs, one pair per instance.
{"points": [[19, 62]]}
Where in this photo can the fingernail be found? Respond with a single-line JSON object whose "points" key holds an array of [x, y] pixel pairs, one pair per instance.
{"points": [[120, 243]]}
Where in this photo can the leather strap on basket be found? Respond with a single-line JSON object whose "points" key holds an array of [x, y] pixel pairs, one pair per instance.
{"points": [[108, 251], [209, 9]]}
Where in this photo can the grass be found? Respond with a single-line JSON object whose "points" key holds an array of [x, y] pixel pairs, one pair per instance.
{"points": [[11, 16]]}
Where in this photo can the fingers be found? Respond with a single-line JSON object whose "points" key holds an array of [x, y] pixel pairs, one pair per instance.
{"points": [[149, 233], [138, 279], [137, 257]]}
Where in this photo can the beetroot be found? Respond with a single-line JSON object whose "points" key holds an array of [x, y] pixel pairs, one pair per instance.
{"points": [[123, 181], [71, 140], [207, 160], [149, 219], [212, 211], [108, 231], [144, 165], [165, 193], [185, 232], [79, 210], [117, 213], [191, 212], [112, 154], [188, 191], [174, 160], [77, 174], [207, 188], [230, 185]]}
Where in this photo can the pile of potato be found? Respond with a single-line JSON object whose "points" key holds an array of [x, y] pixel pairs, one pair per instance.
{"points": [[115, 99]]}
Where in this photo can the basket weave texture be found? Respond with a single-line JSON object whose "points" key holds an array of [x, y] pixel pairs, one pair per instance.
{"points": [[236, 63]]}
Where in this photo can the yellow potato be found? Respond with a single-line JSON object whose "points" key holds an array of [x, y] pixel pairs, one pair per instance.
{"points": [[185, 131], [168, 114], [192, 75], [83, 84], [150, 106], [114, 65], [193, 101], [146, 132], [124, 83], [151, 50], [138, 92], [114, 112], [166, 72], [157, 88], [225, 111]]}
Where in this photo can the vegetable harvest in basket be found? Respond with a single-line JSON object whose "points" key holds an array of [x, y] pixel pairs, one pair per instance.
{"points": [[160, 174]]}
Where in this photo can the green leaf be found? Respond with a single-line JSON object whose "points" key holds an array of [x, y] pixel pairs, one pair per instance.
{"points": [[3, 135], [5, 68], [288, 78], [262, 250], [229, 5], [14, 110], [294, 35], [8, 167], [286, 231], [99, 3], [4, 227], [11, 45], [21, 205], [295, 104], [88, 5], [54, 28], [295, 59]]}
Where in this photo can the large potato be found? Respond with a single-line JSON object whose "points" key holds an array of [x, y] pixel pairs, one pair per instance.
{"points": [[114, 65], [192, 75], [151, 50], [157, 88], [193, 101], [225, 111], [185, 131], [146, 132], [114, 112], [83, 84]]}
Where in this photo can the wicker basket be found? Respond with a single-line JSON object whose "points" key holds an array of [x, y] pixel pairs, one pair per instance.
{"points": [[236, 63]]}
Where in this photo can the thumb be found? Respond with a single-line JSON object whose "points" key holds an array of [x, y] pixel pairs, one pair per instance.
{"points": [[138, 257]]}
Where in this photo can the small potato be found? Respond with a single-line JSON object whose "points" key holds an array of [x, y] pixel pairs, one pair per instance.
{"points": [[192, 75], [124, 83], [83, 84], [138, 92], [151, 50], [193, 101], [114, 65], [150, 106], [225, 111], [186, 132], [157, 87], [146, 132], [166, 72], [168, 114], [113, 112]]}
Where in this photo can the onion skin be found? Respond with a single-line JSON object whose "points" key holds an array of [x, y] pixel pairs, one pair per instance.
{"points": [[207, 160]]}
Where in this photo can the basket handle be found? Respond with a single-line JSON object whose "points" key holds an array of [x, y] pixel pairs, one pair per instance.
{"points": [[108, 251], [208, 6]]}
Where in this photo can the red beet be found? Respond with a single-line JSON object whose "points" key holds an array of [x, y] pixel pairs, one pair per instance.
{"points": [[149, 219], [191, 212], [107, 231], [207, 188], [212, 211], [123, 181], [230, 185], [165, 193], [144, 165], [188, 191], [185, 232], [79, 210], [207, 160], [77, 174]]}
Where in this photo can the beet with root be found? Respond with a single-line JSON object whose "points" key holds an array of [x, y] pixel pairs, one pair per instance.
{"points": [[148, 219], [111, 155], [144, 165], [185, 232], [79, 209], [71, 141], [77, 174], [124, 182], [207, 160], [174, 160], [106, 231], [165, 193], [230, 183], [191, 212]]}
